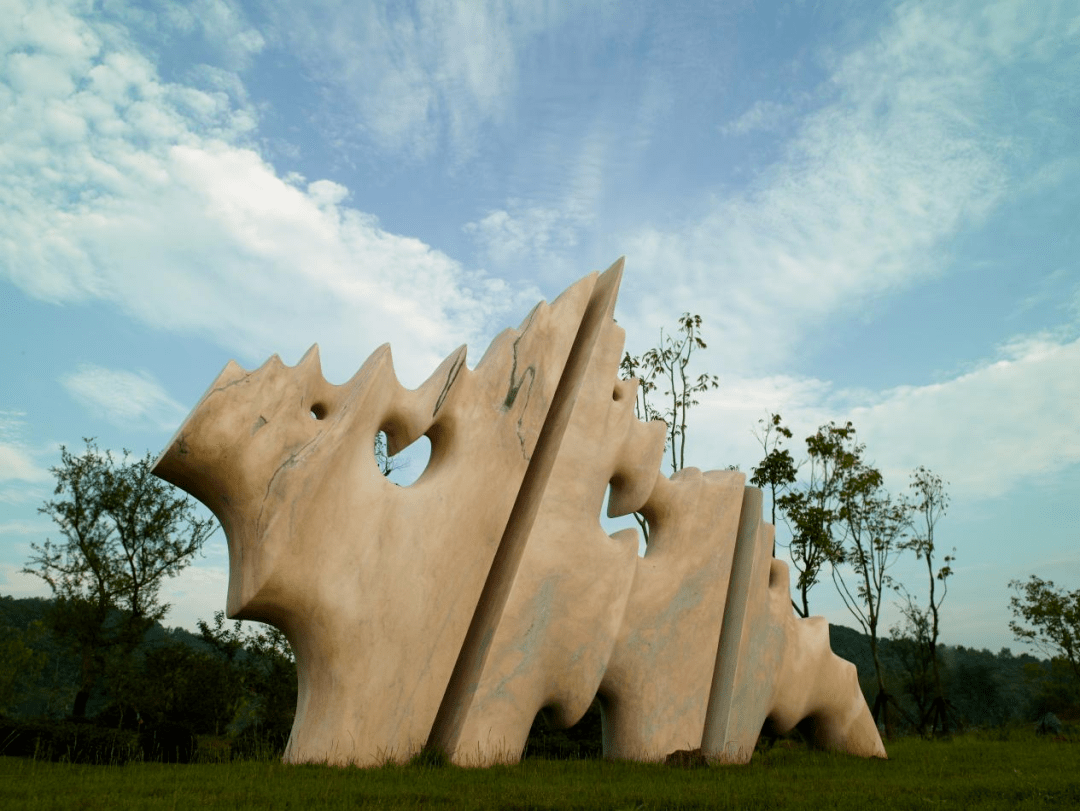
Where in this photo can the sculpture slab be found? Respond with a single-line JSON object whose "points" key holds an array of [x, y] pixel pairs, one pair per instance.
{"points": [[447, 613]]}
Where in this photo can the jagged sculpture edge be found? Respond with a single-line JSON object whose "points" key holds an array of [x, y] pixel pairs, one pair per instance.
{"points": [[447, 613]]}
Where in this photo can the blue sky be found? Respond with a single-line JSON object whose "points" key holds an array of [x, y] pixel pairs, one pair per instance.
{"points": [[874, 207]]}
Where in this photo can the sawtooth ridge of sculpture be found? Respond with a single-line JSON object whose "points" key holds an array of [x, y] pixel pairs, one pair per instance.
{"points": [[446, 614]]}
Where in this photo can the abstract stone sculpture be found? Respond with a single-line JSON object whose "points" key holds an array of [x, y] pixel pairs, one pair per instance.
{"points": [[446, 614]]}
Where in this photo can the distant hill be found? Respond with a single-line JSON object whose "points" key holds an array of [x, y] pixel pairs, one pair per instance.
{"points": [[986, 688]]}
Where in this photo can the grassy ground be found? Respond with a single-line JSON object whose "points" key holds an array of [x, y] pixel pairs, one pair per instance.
{"points": [[967, 772]]}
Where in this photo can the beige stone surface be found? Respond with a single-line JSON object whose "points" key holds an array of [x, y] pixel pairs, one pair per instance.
{"points": [[373, 584], [655, 691], [565, 599], [447, 613], [775, 667]]}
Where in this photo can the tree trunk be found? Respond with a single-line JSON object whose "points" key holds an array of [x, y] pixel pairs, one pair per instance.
{"points": [[81, 698], [881, 703]]}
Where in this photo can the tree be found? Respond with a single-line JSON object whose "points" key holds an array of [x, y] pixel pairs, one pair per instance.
{"points": [[124, 533], [1054, 616], [873, 523], [911, 646], [669, 362], [813, 511], [265, 667], [20, 663], [931, 504], [387, 463], [777, 470]]}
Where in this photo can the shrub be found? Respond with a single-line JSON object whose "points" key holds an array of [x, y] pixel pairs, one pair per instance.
{"points": [[168, 742], [67, 741]]}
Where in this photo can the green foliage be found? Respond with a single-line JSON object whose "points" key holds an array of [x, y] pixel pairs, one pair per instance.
{"points": [[20, 663], [262, 696], [124, 532], [1052, 688], [843, 520], [930, 505], [813, 511], [667, 365], [911, 643], [583, 740], [1053, 615], [68, 741], [777, 470]]}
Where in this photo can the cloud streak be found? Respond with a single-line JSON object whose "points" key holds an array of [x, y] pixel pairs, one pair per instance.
{"points": [[126, 399], [417, 77], [123, 187], [899, 158], [1002, 425], [17, 461]]}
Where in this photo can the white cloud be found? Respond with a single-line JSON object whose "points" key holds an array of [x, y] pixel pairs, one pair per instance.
{"points": [[17, 461], [16, 583], [1002, 424], [25, 527], [542, 238], [1010, 421], [196, 593], [124, 398], [900, 158], [413, 77], [124, 187], [535, 236], [761, 116]]}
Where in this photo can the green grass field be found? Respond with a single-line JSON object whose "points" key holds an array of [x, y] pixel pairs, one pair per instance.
{"points": [[967, 772]]}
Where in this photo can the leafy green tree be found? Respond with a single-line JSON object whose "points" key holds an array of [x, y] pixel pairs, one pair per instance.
{"points": [[20, 664], [777, 470], [930, 505], [813, 511], [177, 683], [666, 368], [873, 524], [1051, 687], [123, 533], [668, 364], [1050, 619], [264, 668], [911, 647]]}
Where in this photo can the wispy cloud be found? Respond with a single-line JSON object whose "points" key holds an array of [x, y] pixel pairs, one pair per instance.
{"points": [[414, 77], [17, 459], [127, 399], [121, 186], [899, 158], [1007, 421], [16, 583], [762, 115], [25, 527], [532, 238]]}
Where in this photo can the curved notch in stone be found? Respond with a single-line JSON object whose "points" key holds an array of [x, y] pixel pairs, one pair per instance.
{"points": [[447, 613]]}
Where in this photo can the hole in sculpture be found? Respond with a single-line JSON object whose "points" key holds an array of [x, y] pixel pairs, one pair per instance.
{"points": [[632, 521], [406, 466], [318, 411], [583, 740]]}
